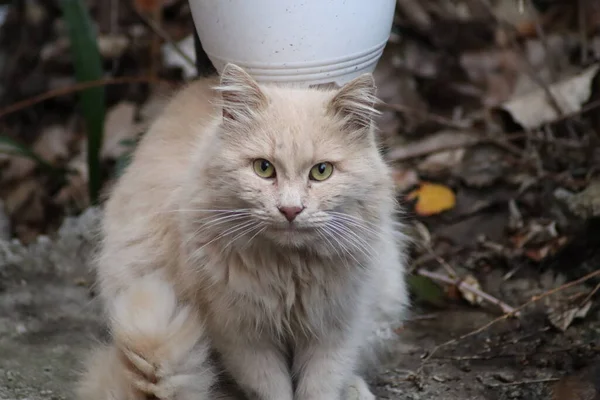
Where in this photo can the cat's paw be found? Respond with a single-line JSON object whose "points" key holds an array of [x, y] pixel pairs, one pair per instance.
{"points": [[358, 390], [145, 376]]}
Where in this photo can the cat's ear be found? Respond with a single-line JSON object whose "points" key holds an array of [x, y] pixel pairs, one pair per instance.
{"points": [[355, 102], [241, 96]]}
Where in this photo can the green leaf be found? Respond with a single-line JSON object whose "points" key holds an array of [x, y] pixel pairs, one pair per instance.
{"points": [[88, 67], [426, 290]]}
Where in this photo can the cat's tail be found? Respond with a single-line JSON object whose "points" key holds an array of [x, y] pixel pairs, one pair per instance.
{"points": [[159, 349]]}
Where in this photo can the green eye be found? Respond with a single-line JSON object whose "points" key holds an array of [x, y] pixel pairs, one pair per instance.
{"points": [[321, 171], [263, 168]]}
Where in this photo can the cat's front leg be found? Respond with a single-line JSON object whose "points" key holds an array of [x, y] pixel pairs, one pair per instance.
{"points": [[259, 368], [325, 370]]}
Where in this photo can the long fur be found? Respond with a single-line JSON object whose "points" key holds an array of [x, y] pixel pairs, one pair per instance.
{"points": [[159, 348], [196, 255]]}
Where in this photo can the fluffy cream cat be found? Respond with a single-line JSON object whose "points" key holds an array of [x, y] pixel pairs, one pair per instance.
{"points": [[252, 235]]}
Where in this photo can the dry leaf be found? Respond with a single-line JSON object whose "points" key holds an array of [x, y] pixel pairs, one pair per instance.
{"points": [[547, 250], [53, 144], [469, 296], [25, 202], [562, 318], [75, 193], [432, 198], [535, 109], [14, 168]]}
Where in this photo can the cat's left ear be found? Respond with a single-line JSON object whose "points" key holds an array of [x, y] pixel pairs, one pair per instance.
{"points": [[240, 94], [355, 103]]}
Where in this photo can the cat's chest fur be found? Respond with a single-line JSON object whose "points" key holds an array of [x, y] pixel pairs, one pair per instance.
{"points": [[282, 293]]}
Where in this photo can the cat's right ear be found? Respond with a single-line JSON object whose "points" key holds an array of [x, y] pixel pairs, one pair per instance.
{"points": [[241, 97]]}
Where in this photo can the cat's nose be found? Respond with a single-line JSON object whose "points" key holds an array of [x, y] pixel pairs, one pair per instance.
{"points": [[290, 213]]}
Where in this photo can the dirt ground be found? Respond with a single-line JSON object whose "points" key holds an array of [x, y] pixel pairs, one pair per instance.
{"points": [[49, 319]]}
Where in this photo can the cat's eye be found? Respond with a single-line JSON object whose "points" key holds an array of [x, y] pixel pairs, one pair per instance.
{"points": [[321, 171], [264, 168]]}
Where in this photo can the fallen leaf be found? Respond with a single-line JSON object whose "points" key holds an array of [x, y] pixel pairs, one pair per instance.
{"points": [[469, 296], [53, 144], [549, 249], [426, 290], [432, 198], [14, 168], [74, 194], [535, 109], [563, 318], [26, 202]]}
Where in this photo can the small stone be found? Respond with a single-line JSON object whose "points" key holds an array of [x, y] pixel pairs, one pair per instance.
{"points": [[505, 377], [21, 328]]}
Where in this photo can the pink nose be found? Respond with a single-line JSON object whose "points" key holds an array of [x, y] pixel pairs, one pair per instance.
{"points": [[290, 213]]}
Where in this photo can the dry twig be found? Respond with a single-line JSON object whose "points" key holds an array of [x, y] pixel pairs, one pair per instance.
{"points": [[533, 300], [465, 286], [18, 106], [520, 383]]}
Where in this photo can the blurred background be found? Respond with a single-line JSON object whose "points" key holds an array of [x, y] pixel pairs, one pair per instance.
{"points": [[490, 118]]}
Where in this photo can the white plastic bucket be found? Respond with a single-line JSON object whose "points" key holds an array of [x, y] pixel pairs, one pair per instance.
{"points": [[306, 42]]}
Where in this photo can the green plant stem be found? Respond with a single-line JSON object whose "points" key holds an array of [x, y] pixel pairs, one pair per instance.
{"points": [[88, 67]]}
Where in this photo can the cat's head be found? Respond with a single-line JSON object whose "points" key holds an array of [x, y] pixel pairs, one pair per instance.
{"points": [[297, 166]]}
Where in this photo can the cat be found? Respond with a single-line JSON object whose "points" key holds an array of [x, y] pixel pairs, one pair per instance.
{"points": [[252, 236]]}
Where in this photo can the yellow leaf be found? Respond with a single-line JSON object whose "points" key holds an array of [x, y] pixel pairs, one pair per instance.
{"points": [[432, 198]]}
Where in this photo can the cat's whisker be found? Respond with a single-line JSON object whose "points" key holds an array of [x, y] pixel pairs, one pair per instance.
{"points": [[322, 235], [227, 232], [353, 218], [336, 238], [211, 224], [242, 233], [368, 250], [357, 221], [212, 221], [262, 228], [362, 228], [354, 240]]}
